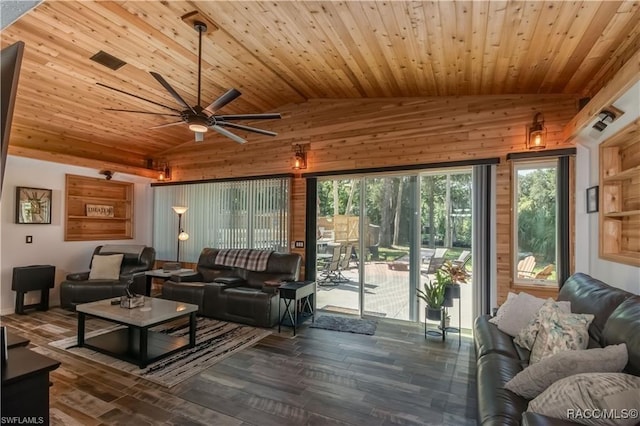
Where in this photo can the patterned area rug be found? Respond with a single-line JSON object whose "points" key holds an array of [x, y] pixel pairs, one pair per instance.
{"points": [[215, 340], [349, 325]]}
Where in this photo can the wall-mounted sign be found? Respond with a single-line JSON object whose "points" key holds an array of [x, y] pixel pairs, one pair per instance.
{"points": [[99, 210]]}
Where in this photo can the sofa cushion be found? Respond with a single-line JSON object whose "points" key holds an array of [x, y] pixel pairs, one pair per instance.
{"points": [[590, 393], [527, 336], [624, 326], [533, 380], [488, 339], [105, 267], [503, 308], [591, 296], [561, 332], [496, 404], [519, 312]]}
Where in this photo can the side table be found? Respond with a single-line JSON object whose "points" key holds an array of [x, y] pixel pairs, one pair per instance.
{"points": [[33, 278], [301, 295], [165, 275]]}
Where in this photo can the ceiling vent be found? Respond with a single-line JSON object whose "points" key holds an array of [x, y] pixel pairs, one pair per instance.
{"points": [[109, 61]]}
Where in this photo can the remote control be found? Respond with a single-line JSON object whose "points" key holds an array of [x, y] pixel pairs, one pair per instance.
{"points": [[115, 302]]}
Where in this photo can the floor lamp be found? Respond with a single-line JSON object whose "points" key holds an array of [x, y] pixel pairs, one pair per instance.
{"points": [[182, 236]]}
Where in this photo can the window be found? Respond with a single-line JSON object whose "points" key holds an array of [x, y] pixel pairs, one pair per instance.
{"points": [[535, 222], [237, 214]]}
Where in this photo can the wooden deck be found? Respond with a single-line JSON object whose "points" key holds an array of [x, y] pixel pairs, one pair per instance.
{"points": [[319, 377]]}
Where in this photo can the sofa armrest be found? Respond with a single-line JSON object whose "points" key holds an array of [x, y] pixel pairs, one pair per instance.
{"points": [[192, 278], [231, 281], [78, 276]]}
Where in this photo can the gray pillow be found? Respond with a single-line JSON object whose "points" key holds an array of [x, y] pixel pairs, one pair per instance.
{"points": [[105, 267], [519, 312], [502, 309], [586, 398], [534, 379]]}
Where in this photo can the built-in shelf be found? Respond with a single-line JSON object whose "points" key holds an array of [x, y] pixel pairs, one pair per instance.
{"points": [[623, 214], [619, 199], [98, 209], [626, 174]]}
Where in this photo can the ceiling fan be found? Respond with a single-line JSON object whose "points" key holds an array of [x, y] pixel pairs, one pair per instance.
{"points": [[198, 118]]}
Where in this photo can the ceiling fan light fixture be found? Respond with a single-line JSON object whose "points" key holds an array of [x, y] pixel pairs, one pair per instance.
{"points": [[199, 128]]}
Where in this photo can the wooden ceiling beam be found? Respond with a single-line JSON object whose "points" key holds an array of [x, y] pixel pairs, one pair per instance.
{"points": [[73, 160], [628, 75]]}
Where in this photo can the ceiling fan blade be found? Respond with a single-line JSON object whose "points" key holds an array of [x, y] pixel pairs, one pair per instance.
{"points": [[167, 125], [142, 112], [247, 128], [269, 116], [138, 97], [223, 100], [225, 132], [171, 91]]}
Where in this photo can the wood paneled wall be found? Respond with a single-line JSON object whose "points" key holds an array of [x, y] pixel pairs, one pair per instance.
{"points": [[346, 134]]}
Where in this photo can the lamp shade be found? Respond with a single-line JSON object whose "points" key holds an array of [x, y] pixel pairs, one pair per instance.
{"points": [[183, 236], [180, 209]]}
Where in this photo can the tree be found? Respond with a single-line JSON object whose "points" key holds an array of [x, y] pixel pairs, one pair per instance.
{"points": [[537, 213]]}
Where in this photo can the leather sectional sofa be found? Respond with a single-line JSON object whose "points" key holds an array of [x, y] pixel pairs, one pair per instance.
{"points": [[232, 293], [617, 320]]}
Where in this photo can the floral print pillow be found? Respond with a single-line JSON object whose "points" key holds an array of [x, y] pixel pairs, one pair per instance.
{"points": [[561, 332], [527, 336]]}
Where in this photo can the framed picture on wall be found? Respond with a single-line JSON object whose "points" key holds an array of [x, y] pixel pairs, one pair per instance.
{"points": [[592, 199], [33, 205]]}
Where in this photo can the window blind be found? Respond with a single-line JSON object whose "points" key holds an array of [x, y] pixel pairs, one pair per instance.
{"points": [[233, 214]]}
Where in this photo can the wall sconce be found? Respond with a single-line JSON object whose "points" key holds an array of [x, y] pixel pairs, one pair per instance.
{"points": [[182, 236], [300, 158], [605, 117], [164, 173], [537, 133]]}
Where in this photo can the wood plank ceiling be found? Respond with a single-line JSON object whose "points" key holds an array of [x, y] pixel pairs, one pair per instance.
{"points": [[281, 53]]}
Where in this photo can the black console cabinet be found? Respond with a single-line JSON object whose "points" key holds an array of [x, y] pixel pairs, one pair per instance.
{"points": [[25, 386]]}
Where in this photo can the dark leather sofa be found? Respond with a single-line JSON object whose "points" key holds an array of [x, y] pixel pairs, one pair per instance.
{"points": [[78, 288], [232, 293], [617, 320]]}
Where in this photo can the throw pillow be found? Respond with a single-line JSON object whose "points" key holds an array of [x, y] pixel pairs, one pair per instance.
{"points": [[519, 312], [500, 314], [105, 267], [527, 336], [561, 332], [586, 398], [534, 379]]}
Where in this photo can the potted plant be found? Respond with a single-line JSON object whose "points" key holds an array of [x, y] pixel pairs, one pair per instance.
{"points": [[433, 295], [452, 275]]}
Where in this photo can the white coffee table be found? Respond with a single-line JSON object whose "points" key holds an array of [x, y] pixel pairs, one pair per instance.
{"points": [[136, 343]]}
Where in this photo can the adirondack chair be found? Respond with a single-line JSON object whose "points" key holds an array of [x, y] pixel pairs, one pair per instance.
{"points": [[525, 267], [544, 273]]}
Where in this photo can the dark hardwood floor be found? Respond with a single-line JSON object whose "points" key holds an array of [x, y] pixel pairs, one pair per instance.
{"points": [[319, 377]]}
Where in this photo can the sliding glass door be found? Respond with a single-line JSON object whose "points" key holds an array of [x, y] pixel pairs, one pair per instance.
{"points": [[382, 236], [389, 207]]}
